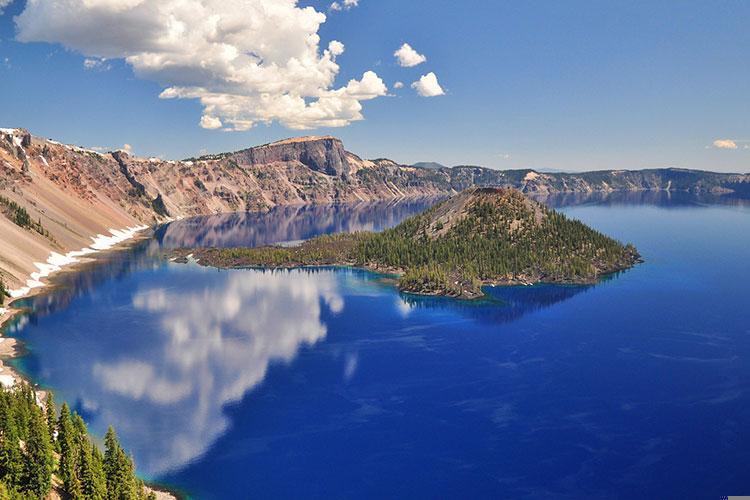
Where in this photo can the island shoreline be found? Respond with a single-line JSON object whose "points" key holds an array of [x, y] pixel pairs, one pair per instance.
{"points": [[187, 256]]}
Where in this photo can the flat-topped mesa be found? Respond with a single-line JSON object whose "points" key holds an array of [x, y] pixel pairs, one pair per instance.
{"points": [[324, 154]]}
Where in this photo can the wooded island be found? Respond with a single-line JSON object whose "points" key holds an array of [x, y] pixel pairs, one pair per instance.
{"points": [[481, 236]]}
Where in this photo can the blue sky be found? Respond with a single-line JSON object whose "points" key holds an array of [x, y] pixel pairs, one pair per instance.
{"points": [[574, 85]]}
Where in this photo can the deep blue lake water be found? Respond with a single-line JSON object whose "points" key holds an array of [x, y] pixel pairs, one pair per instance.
{"points": [[330, 384]]}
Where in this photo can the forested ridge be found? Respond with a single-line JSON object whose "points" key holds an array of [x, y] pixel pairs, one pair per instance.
{"points": [[43, 451], [480, 236]]}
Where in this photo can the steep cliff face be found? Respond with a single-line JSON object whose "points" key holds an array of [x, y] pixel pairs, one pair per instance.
{"points": [[71, 193], [290, 172], [320, 154], [54, 198]]}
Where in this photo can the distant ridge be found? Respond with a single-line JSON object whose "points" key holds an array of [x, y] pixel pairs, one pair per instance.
{"points": [[429, 164]]}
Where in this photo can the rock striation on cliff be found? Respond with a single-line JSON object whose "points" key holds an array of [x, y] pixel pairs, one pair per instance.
{"points": [[320, 154]]}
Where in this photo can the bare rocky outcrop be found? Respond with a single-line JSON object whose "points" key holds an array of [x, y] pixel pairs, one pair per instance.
{"points": [[320, 154]]}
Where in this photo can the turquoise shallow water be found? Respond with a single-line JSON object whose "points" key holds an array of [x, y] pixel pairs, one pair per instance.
{"points": [[330, 384]]}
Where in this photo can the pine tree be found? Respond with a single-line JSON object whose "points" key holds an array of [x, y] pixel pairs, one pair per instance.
{"points": [[93, 483], [11, 457], [25, 401], [96, 486], [38, 458], [122, 483], [116, 488], [51, 414], [89, 467], [66, 441], [129, 489], [111, 447], [27, 433]]}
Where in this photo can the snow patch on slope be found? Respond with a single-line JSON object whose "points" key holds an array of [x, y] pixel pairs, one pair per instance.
{"points": [[56, 261]]}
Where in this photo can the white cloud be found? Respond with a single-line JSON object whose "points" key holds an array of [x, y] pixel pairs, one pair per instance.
{"points": [[428, 86], [96, 64], [725, 144], [408, 57], [210, 122], [3, 4], [336, 48], [247, 61], [127, 148], [345, 5], [398, 85]]}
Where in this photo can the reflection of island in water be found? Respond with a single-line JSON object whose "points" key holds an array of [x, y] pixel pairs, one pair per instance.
{"points": [[159, 355], [181, 343], [501, 304]]}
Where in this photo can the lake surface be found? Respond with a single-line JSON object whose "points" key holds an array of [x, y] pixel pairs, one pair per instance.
{"points": [[328, 383]]}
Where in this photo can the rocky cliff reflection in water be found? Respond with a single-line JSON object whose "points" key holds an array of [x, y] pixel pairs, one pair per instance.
{"points": [[284, 223], [288, 223]]}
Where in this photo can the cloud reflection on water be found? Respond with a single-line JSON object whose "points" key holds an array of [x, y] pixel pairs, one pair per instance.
{"points": [[213, 345]]}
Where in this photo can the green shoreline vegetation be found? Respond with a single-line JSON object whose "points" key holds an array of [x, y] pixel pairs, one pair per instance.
{"points": [[482, 236], [43, 451]]}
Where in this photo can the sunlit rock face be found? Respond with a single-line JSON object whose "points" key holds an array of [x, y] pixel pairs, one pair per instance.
{"points": [[214, 344], [319, 154]]}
